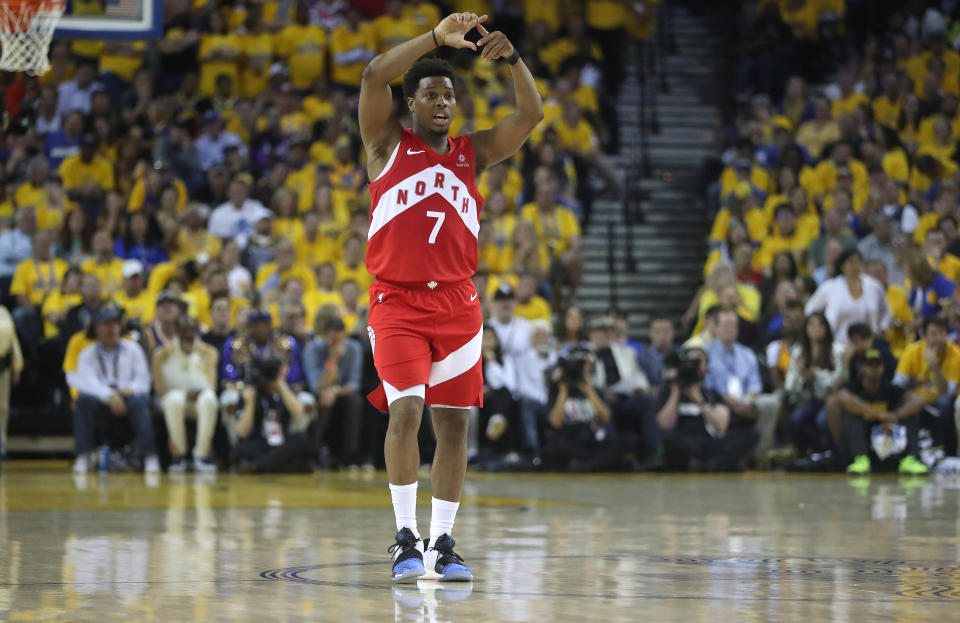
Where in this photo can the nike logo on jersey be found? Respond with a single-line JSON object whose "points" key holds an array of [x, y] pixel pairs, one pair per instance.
{"points": [[410, 152], [474, 297]]}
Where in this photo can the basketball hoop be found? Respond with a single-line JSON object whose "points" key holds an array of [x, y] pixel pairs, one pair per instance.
{"points": [[26, 29]]}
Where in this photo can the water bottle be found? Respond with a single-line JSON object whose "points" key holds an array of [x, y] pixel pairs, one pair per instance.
{"points": [[104, 465]]}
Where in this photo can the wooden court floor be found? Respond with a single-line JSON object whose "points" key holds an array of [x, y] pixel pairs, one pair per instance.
{"points": [[551, 548]]}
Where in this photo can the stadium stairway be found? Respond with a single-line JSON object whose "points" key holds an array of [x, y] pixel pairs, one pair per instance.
{"points": [[668, 234]]}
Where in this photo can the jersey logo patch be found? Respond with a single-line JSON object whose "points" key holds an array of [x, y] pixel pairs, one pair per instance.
{"points": [[461, 161], [410, 152]]}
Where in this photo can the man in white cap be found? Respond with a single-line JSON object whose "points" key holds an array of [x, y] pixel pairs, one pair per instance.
{"points": [[137, 302], [112, 378]]}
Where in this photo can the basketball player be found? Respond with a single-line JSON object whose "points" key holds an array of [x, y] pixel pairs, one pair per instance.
{"points": [[425, 323]]}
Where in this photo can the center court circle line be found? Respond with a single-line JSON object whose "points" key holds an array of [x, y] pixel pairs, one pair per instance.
{"points": [[883, 571]]}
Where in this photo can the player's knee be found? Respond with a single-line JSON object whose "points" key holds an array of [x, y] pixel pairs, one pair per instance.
{"points": [[405, 417], [451, 424]]}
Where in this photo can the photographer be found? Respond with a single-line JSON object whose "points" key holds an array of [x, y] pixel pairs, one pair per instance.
{"points": [[270, 412], [579, 436], [695, 421]]}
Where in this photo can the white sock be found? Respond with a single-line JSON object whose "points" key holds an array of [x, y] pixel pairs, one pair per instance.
{"points": [[405, 506], [441, 518]]}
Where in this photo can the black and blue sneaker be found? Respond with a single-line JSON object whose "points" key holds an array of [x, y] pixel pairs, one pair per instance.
{"points": [[407, 556], [446, 563]]}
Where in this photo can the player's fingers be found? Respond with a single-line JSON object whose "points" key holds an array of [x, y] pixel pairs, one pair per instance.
{"points": [[483, 31], [487, 38], [482, 19]]}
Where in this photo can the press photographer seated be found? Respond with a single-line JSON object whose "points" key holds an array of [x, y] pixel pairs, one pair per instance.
{"points": [[695, 422], [269, 414], [579, 435]]}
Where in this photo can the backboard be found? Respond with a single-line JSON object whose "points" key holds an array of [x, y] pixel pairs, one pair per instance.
{"points": [[112, 19]]}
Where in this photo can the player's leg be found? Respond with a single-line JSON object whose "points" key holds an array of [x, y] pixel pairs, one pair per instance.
{"points": [[402, 357], [449, 469], [402, 455]]}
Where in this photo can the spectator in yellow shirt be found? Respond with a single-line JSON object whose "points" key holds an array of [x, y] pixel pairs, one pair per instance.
{"points": [[531, 305], [931, 366], [786, 238], [147, 190], [56, 305], [40, 275], [555, 225], [355, 307], [841, 161], [351, 267], [304, 47], [219, 55], [935, 248], [886, 106], [425, 14], [819, 131], [393, 28], [849, 99], [271, 275], [353, 45], [104, 264], [312, 245], [257, 44], [87, 176], [137, 302], [742, 205]]}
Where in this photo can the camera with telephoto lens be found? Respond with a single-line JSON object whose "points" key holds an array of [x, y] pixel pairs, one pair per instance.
{"points": [[686, 365], [573, 367], [264, 371]]}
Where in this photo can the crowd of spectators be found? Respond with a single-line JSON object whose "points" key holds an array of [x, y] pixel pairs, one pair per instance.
{"points": [[828, 312], [183, 224]]}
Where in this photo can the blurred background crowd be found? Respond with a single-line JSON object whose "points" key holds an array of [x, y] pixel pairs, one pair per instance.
{"points": [[183, 225]]}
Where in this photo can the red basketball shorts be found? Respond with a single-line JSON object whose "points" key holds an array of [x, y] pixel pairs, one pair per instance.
{"points": [[431, 337]]}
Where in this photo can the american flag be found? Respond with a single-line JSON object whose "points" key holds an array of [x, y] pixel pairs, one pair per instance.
{"points": [[129, 9]]}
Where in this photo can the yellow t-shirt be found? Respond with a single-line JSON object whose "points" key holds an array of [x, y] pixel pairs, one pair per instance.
{"points": [[846, 105], [496, 258], [896, 165], [346, 40], [140, 307], [254, 77], [268, 275], [775, 244], [317, 108], [555, 229], [76, 173], [124, 65], [138, 196], [914, 367], [209, 70], [426, 15], [288, 228], [305, 48], [826, 173], [109, 274], [606, 14], [77, 342], [36, 280], [547, 11], [949, 267], [320, 250], [57, 303], [315, 299], [188, 245], [758, 177], [358, 274], [887, 111], [902, 315], [578, 139], [815, 137], [392, 32], [536, 308], [512, 186], [749, 305], [757, 225], [304, 183]]}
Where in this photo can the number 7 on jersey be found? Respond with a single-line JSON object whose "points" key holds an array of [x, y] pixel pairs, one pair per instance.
{"points": [[436, 228]]}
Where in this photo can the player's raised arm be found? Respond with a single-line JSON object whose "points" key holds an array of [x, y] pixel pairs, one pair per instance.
{"points": [[379, 129], [509, 134]]}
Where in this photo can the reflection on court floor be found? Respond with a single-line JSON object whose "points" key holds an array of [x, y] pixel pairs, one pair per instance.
{"points": [[544, 548]]}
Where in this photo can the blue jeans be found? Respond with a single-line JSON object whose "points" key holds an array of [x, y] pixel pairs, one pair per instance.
{"points": [[808, 423], [532, 413], [89, 409]]}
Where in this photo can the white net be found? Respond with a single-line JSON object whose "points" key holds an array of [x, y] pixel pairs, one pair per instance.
{"points": [[25, 33]]}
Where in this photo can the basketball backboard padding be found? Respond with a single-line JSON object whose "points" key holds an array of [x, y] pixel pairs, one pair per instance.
{"points": [[135, 20]]}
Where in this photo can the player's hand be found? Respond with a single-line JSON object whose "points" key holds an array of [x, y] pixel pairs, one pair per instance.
{"points": [[494, 44], [451, 30]]}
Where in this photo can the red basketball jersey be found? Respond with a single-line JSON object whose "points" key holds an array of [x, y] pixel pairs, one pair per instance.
{"points": [[424, 214]]}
